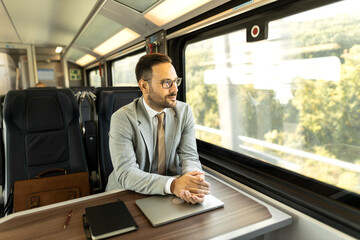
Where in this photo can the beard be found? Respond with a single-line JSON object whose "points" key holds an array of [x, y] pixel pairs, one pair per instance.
{"points": [[157, 102]]}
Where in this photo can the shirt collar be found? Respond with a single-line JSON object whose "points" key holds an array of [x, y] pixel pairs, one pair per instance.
{"points": [[152, 113]]}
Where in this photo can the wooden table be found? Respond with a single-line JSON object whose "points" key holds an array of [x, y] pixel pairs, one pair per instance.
{"points": [[241, 217]]}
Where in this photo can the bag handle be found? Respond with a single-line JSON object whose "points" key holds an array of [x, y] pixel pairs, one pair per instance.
{"points": [[9, 204], [40, 175]]}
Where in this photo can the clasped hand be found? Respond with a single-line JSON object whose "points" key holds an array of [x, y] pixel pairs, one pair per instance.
{"points": [[191, 187]]}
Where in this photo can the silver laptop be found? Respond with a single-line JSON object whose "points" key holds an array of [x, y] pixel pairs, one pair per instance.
{"points": [[165, 209]]}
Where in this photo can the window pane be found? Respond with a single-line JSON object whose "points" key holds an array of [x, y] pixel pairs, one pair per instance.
{"points": [[291, 100], [123, 71], [95, 78]]}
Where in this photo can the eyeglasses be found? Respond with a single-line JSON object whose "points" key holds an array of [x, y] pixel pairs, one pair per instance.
{"points": [[169, 83]]}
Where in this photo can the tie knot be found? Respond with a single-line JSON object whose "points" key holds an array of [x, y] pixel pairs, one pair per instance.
{"points": [[160, 116]]}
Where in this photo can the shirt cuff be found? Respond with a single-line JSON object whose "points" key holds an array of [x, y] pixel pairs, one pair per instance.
{"points": [[168, 185]]}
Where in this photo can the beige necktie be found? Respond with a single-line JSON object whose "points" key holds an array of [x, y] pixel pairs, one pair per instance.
{"points": [[161, 144]]}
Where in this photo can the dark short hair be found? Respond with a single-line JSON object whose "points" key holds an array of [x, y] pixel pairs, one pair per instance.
{"points": [[143, 69]]}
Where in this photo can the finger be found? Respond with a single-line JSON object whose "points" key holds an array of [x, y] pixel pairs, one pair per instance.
{"points": [[205, 184], [199, 188], [183, 196], [201, 177], [199, 195], [198, 180], [186, 196], [198, 199], [189, 197], [199, 191], [195, 173], [193, 200], [186, 199]]}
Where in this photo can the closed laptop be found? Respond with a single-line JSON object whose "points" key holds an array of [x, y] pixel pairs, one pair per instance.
{"points": [[165, 209]]}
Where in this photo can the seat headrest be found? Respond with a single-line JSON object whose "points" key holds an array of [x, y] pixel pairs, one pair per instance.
{"points": [[43, 113], [40, 109]]}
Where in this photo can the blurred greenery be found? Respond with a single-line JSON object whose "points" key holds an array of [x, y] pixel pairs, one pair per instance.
{"points": [[322, 118]]}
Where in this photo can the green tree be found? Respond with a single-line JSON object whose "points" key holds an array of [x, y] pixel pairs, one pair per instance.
{"points": [[328, 112], [202, 97]]}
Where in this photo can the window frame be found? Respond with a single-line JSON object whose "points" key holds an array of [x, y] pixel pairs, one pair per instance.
{"points": [[302, 193]]}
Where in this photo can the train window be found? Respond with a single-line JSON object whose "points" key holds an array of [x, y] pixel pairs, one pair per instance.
{"points": [[123, 70], [291, 100], [95, 78]]}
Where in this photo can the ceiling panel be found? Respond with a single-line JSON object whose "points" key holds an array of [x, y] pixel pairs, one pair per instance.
{"points": [[139, 6], [74, 54], [48, 22], [92, 37], [7, 31]]}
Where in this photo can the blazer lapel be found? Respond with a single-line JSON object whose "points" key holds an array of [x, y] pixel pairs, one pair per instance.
{"points": [[145, 128]]}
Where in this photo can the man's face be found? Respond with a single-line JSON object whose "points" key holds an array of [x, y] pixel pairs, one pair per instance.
{"points": [[158, 97]]}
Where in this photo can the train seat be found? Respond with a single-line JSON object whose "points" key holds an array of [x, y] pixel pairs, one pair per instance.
{"points": [[82, 89], [42, 132], [88, 122], [85, 101], [109, 102], [99, 90]]}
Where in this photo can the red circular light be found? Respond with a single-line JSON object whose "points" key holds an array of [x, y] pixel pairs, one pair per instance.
{"points": [[255, 31]]}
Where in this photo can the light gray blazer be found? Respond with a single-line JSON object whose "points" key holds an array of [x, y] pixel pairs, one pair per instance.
{"points": [[132, 150]]}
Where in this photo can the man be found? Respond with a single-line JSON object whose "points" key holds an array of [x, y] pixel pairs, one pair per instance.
{"points": [[134, 144]]}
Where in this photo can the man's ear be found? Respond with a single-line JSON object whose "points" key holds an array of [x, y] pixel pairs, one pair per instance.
{"points": [[144, 86]]}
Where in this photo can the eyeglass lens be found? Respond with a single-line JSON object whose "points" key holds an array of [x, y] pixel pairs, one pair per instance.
{"points": [[169, 83]]}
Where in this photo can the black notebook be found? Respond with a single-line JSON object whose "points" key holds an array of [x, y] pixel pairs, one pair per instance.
{"points": [[109, 219]]}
